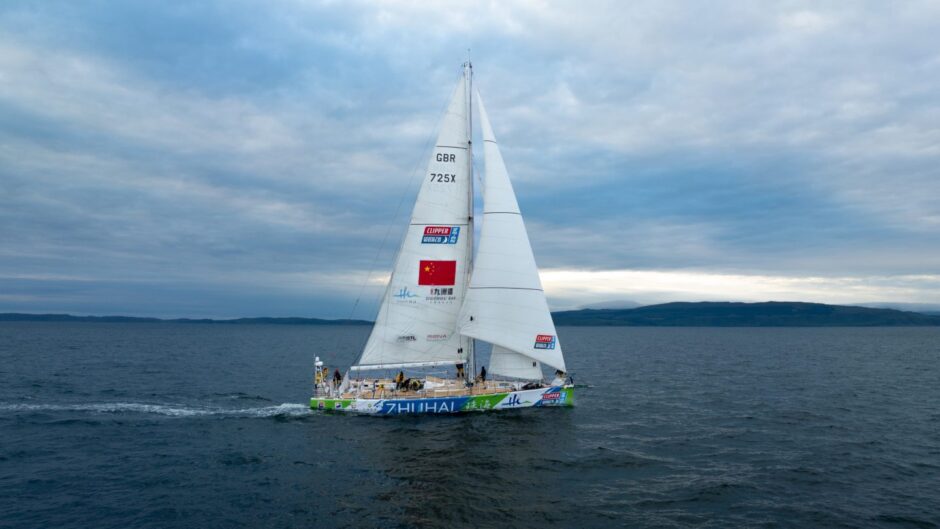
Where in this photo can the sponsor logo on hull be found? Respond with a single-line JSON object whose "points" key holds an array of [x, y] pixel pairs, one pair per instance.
{"points": [[445, 405], [555, 396]]}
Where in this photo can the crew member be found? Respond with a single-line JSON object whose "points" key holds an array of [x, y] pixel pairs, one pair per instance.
{"points": [[483, 374], [460, 370], [400, 380]]}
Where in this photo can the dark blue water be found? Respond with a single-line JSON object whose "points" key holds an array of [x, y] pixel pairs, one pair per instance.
{"points": [[172, 425]]}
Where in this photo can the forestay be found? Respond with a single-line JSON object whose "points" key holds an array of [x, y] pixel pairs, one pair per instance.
{"points": [[417, 320], [505, 303]]}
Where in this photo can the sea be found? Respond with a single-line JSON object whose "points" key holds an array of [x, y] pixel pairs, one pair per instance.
{"points": [[162, 425]]}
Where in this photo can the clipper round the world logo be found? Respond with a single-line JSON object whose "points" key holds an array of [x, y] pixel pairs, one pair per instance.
{"points": [[545, 341], [440, 235]]}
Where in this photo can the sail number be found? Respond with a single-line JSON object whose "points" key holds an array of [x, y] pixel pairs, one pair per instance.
{"points": [[444, 177]]}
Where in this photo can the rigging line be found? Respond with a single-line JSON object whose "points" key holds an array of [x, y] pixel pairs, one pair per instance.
{"points": [[401, 201], [506, 288]]}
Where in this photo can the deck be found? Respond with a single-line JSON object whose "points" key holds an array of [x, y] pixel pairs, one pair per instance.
{"points": [[384, 388]]}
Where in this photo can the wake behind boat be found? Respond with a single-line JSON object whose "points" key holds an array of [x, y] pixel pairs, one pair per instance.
{"points": [[440, 300]]}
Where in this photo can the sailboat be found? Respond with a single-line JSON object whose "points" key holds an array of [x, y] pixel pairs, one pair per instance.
{"points": [[441, 300]]}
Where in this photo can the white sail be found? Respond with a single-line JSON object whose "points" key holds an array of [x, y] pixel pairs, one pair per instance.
{"points": [[512, 364], [416, 324], [505, 303]]}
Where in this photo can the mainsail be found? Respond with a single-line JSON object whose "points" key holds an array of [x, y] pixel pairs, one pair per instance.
{"points": [[416, 324], [505, 304]]}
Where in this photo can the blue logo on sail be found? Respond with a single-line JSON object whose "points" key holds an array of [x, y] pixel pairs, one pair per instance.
{"points": [[404, 294], [440, 235]]}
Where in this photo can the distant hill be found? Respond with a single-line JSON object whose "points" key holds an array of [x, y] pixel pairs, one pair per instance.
{"points": [[923, 308], [681, 314], [617, 304], [729, 314], [13, 316]]}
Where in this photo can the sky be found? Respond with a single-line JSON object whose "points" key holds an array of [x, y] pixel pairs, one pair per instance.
{"points": [[235, 159]]}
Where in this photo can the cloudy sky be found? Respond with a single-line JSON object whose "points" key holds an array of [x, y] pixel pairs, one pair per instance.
{"points": [[240, 159]]}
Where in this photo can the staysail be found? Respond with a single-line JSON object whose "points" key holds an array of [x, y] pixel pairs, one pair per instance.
{"points": [[416, 324], [505, 304]]}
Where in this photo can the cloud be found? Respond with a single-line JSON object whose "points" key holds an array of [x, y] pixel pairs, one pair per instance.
{"points": [[250, 153], [569, 289]]}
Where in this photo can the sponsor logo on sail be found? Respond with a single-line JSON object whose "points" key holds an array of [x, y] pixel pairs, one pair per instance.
{"points": [[404, 294], [545, 341], [436, 337], [440, 235], [406, 338], [440, 295]]}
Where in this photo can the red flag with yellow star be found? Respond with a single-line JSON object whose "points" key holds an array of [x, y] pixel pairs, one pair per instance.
{"points": [[434, 273]]}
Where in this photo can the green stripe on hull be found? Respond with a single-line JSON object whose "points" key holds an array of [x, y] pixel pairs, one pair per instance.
{"points": [[548, 397], [330, 404], [483, 402]]}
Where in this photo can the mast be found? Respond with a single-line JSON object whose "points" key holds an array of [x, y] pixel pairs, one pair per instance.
{"points": [[470, 368]]}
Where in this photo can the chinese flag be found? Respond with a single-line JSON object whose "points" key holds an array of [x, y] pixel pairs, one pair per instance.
{"points": [[434, 273]]}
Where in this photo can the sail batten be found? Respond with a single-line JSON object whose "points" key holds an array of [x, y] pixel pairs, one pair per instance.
{"points": [[506, 288]]}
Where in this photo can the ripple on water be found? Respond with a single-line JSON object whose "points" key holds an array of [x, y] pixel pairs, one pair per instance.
{"points": [[169, 410], [672, 428]]}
